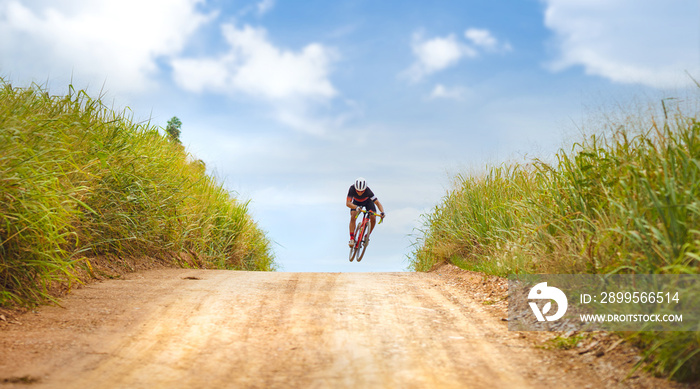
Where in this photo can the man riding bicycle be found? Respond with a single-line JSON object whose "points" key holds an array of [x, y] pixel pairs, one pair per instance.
{"points": [[359, 195]]}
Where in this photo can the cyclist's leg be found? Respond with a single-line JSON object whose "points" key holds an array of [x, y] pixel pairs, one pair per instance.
{"points": [[353, 218], [353, 222]]}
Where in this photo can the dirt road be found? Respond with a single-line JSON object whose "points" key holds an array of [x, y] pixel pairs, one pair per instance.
{"points": [[220, 329]]}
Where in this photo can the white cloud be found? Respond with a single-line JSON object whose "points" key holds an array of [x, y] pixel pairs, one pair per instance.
{"points": [[484, 38], [265, 6], [647, 42], [436, 54], [97, 41], [254, 66], [293, 83], [439, 53], [442, 92]]}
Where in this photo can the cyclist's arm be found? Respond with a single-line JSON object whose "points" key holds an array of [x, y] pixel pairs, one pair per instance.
{"points": [[349, 204], [379, 205]]}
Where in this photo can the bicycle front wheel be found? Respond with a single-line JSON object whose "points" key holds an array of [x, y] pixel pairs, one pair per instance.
{"points": [[355, 247], [364, 242], [353, 251]]}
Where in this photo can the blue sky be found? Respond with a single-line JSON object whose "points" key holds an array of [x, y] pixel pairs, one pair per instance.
{"points": [[289, 101]]}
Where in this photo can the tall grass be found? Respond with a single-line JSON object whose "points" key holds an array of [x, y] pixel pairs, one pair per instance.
{"points": [[626, 200], [78, 181]]}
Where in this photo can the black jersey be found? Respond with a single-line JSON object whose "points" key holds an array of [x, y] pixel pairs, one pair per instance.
{"points": [[367, 196]]}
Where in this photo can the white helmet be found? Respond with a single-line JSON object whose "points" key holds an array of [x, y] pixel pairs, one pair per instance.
{"points": [[360, 184]]}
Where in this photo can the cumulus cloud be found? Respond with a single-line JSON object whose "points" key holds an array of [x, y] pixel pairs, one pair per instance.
{"points": [[436, 54], [98, 41], [439, 53], [644, 42], [292, 82], [254, 66]]}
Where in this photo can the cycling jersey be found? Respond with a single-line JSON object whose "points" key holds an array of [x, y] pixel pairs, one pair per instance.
{"points": [[366, 195], [366, 200]]}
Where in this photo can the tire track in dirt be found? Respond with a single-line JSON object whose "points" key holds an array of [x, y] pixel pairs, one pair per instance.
{"points": [[253, 330]]}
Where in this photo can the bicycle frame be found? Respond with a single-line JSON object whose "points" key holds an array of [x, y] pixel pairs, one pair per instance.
{"points": [[362, 235]]}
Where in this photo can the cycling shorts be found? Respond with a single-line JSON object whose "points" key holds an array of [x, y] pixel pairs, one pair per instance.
{"points": [[369, 205]]}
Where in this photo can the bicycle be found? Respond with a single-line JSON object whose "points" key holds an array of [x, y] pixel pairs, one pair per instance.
{"points": [[362, 239]]}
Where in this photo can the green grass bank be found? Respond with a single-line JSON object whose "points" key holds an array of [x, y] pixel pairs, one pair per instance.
{"points": [[81, 183], [626, 200]]}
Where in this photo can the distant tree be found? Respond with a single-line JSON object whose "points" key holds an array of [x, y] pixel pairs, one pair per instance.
{"points": [[174, 128]]}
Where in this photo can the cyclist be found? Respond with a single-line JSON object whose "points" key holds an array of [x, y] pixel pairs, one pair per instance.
{"points": [[359, 195]]}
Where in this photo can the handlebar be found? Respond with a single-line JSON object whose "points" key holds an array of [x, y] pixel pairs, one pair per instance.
{"points": [[381, 218]]}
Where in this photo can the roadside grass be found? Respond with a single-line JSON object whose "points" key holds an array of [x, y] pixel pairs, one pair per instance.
{"points": [[80, 181], [566, 342], [625, 200]]}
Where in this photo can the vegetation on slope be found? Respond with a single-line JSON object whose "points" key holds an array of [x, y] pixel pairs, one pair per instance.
{"points": [[626, 201], [79, 182]]}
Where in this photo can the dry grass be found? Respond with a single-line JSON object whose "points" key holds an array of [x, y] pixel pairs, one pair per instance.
{"points": [[78, 180], [626, 200]]}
